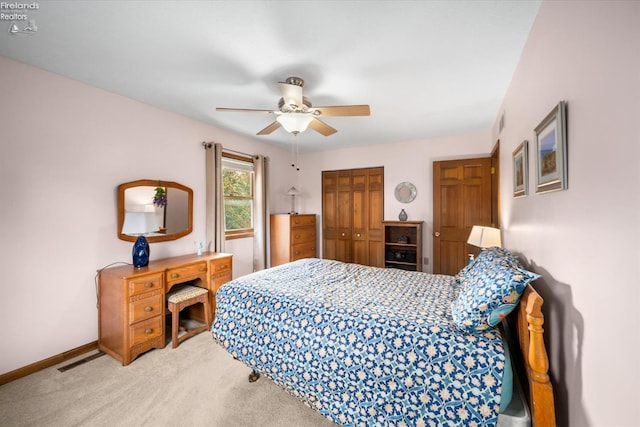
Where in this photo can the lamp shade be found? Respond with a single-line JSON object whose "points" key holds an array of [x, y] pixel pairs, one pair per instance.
{"points": [[484, 237], [139, 223], [293, 192], [294, 122]]}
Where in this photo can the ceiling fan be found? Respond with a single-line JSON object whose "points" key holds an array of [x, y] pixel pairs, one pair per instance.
{"points": [[295, 112]]}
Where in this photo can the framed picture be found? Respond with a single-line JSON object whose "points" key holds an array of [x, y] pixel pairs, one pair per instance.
{"points": [[551, 151], [521, 169]]}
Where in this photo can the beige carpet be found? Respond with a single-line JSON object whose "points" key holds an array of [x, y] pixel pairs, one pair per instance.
{"points": [[196, 384]]}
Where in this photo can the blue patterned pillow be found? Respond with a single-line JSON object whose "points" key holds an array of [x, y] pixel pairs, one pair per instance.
{"points": [[489, 290]]}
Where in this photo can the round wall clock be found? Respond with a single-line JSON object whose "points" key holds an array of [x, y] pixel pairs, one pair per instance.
{"points": [[405, 192]]}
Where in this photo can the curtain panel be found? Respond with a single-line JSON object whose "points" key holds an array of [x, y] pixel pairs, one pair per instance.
{"points": [[215, 231]]}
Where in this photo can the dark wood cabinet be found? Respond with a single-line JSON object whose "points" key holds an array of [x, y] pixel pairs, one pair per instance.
{"points": [[403, 245], [352, 213]]}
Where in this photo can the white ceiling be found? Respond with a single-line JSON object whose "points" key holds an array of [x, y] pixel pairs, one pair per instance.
{"points": [[426, 68]]}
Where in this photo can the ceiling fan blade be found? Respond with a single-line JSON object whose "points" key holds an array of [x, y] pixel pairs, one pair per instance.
{"points": [[292, 94], [321, 127], [243, 110], [344, 110], [266, 131]]}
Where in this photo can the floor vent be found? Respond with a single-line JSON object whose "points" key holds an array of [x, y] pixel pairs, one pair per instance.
{"points": [[81, 361]]}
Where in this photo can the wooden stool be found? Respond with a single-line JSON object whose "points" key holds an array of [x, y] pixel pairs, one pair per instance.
{"points": [[180, 298]]}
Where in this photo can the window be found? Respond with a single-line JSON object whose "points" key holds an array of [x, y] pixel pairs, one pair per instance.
{"points": [[237, 182]]}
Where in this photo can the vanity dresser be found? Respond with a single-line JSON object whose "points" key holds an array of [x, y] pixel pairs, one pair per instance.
{"points": [[131, 301]]}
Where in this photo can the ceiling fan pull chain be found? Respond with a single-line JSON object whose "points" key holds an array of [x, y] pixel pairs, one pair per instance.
{"points": [[294, 151]]}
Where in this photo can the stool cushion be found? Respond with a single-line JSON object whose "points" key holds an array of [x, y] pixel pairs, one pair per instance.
{"points": [[185, 293]]}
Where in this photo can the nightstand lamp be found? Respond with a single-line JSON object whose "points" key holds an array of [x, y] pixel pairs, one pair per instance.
{"points": [[483, 237]]}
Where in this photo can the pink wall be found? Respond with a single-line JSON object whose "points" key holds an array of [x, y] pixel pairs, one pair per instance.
{"points": [[65, 148], [584, 241]]}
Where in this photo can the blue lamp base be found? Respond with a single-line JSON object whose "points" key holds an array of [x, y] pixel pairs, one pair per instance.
{"points": [[141, 252]]}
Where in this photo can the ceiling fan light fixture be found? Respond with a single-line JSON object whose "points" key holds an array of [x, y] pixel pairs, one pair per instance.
{"points": [[295, 122]]}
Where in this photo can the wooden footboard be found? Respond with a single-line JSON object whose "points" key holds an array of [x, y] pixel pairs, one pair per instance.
{"points": [[534, 353]]}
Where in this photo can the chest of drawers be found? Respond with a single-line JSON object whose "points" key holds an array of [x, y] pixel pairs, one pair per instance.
{"points": [[131, 301], [293, 237]]}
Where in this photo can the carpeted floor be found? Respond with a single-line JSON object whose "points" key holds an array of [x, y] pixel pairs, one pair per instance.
{"points": [[196, 384]]}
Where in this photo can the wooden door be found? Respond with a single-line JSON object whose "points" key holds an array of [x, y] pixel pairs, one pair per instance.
{"points": [[461, 199], [367, 210], [330, 214], [352, 214], [344, 217], [336, 215], [495, 185], [375, 199]]}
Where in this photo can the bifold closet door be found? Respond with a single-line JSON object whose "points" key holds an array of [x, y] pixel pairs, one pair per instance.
{"points": [[352, 213]]}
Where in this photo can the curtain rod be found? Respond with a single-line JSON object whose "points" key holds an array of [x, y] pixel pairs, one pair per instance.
{"points": [[210, 144]]}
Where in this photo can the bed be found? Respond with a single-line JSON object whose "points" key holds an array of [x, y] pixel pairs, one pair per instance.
{"points": [[369, 346]]}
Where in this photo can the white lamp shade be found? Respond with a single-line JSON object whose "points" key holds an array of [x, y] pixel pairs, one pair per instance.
{"points": [[294, 122], [136, 223], [484, 237], [293, 192]]}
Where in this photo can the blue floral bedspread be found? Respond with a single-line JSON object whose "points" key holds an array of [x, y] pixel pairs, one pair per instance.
{"points": [[364, 346]]}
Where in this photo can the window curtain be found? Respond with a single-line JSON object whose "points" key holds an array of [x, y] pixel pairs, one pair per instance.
{"points": [[215, 204], [261, 212], [214, 197]]}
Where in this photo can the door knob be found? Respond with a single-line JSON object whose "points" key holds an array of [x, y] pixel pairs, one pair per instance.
{"points": [[437, 234]]}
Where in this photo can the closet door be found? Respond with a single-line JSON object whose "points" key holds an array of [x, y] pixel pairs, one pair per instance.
{"points": [[368, 197], [352, 212], [330, 214], [344, 217], [376, 216]]}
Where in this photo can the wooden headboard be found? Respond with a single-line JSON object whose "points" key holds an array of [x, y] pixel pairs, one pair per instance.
{"points": [[534, 353]]}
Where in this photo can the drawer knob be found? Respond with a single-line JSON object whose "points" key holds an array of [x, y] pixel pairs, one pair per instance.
{"points": [[358, 235], [148, 309], [148, 331], [174, 275], [148, 285], [342, 234], [203, 268]]}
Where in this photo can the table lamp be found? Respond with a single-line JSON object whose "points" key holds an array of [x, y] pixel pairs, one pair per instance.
{"points": [[293, 192], [483, 237]]}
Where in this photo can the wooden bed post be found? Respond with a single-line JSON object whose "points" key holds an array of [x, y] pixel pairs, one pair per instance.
{"points": [[530, 335]]}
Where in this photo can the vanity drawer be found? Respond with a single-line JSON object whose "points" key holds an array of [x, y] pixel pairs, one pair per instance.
{"points": [[151, 282], [145, 306], [145, 330], [191, 271], [220, 265]]}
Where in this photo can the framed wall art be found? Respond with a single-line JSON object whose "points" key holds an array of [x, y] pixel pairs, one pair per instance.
{"points": [[521, 169], [551, 151]]}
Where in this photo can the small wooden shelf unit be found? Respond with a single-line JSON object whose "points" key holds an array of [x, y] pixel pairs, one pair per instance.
{"points": [[403, 245]]}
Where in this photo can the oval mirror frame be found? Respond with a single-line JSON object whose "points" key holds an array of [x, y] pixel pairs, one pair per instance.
{"points": [[154, 183]]}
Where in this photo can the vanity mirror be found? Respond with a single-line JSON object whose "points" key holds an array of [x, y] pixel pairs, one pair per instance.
{"points": [[159, 215]]}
